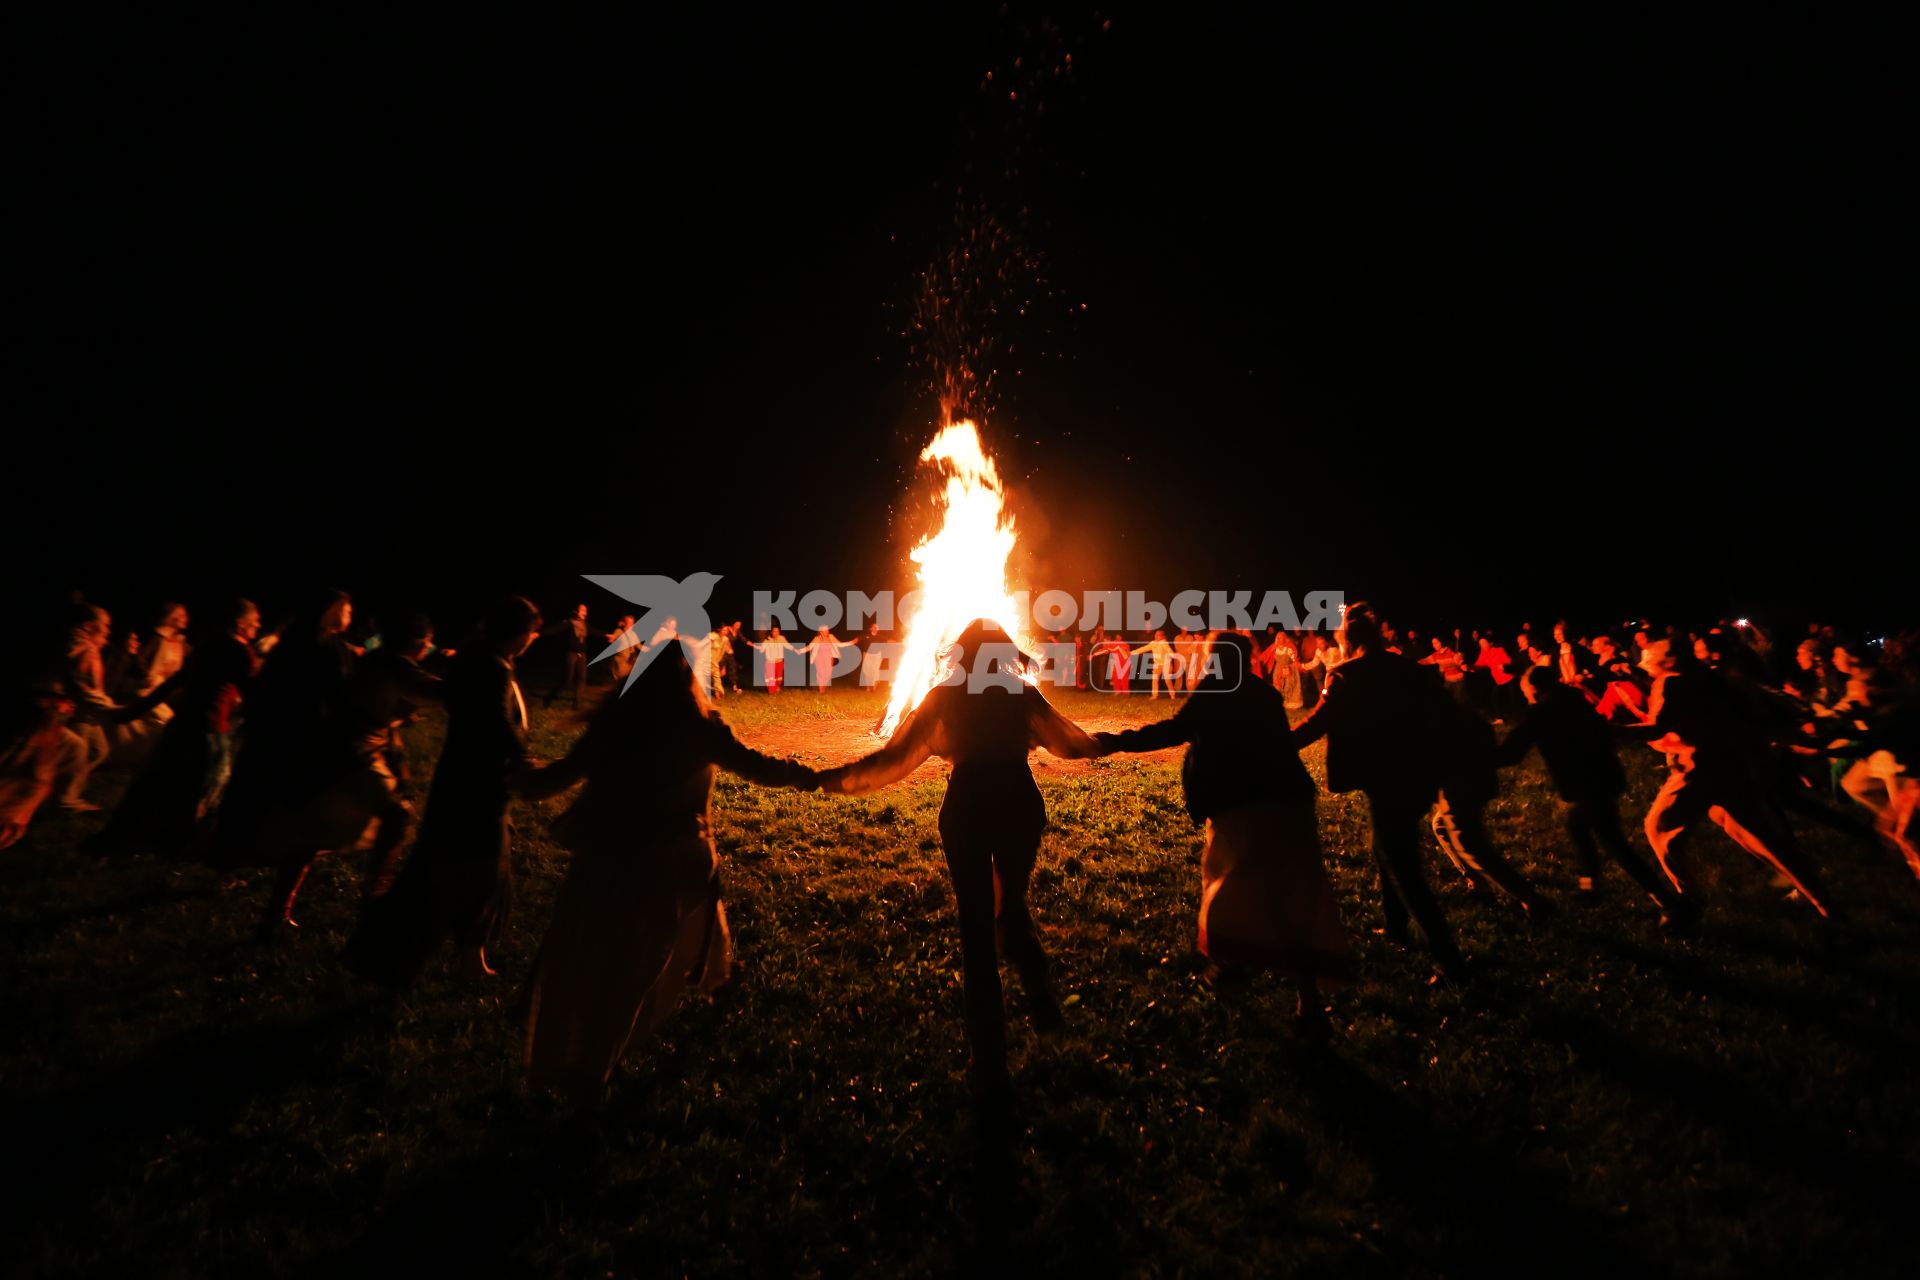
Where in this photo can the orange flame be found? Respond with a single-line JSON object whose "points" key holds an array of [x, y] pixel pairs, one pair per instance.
{"points": [[963, 567]]}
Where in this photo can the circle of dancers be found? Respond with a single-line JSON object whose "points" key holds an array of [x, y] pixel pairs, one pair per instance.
{"points": [[268, 749]]}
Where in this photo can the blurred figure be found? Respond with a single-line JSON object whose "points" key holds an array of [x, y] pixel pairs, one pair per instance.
{"points": [[179, 790], [1163, 664], [458, 882], [162, 652], [873, 658], [360, 765], [34, 741], [773, 653], [719, 659], [1492, 663], [1282, 660], [572, 639], [1719, 765], [1577, 748], [1378, 716], [1114, 657], [620, 664], [288, 706], [824, 649], [95, 714]]}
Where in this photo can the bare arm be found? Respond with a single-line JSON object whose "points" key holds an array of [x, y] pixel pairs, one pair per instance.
{"points": [[737, 757], [1059, 735], [911, 745]]}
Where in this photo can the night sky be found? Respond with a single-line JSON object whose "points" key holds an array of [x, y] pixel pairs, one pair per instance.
{"points": [[1485, 324]]}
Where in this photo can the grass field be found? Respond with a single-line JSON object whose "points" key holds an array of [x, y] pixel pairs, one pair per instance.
{"points": [[1605, 1099]]}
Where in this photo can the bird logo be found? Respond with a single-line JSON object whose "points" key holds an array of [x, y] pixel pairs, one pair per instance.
{"points": [[672, 607]]}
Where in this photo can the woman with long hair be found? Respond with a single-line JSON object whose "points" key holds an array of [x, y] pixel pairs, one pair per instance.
{"points": [[1265, 900], [639, 921], [984, 718]]}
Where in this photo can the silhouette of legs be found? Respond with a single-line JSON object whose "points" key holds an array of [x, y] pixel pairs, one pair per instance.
{"points": [[990, 862], [1463, 833], [1403, 882], [1740, 810], [1593, 826]]}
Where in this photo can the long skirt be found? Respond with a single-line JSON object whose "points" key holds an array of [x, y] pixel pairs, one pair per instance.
{"points": [[1265, 900], [634, 929]]}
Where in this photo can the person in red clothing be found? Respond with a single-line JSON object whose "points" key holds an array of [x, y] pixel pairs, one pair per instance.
{"points": [[1494, 662], [1118, 657]]}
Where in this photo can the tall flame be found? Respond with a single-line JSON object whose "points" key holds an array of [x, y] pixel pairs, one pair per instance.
{"points": [[963, 567]]}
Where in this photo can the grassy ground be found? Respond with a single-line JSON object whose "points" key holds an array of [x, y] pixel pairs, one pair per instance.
{"points": [[1606, 1099]]}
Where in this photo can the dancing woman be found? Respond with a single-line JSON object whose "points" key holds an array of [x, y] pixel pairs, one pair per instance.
{"points": [[984, 719], [1265, 900], [639, 920]]}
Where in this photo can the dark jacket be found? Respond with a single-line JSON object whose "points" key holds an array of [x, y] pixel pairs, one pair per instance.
{"points": [[1379, 715], [1575, 743]]}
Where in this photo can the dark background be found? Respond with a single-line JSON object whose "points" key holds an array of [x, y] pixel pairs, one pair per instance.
{"points": [[1487, 323]]}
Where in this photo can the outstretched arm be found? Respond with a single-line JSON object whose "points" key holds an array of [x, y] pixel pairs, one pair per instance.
{"points": [[737, 757], [1059, 735], [912, 744], [546, 781], [1320, 721], [1171, 732]]}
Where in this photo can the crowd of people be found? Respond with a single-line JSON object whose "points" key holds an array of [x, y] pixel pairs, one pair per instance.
{"points": [[273, 747]]}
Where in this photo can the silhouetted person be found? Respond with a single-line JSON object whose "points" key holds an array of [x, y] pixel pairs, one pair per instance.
{"points": [[33, 742], [1464, 754], [361, 761], [1378, 716], [1265, 901], [984, 719], [1720, 771], [639, 921], [1578, 750], [573, 657], [183, 781], [458, 882], [291, 700]]}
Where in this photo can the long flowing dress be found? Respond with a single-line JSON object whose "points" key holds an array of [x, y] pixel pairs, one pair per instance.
{"points": [[1265, 900], [639, 921], [1284, 662]]}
